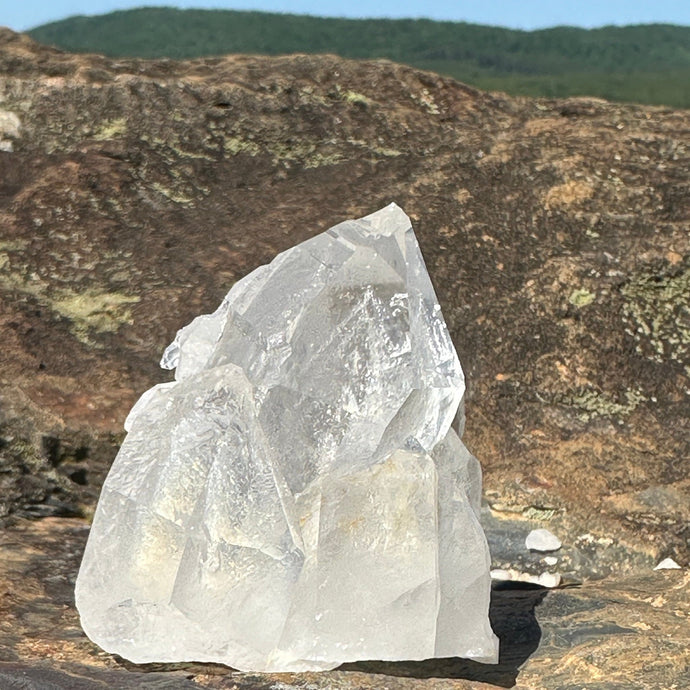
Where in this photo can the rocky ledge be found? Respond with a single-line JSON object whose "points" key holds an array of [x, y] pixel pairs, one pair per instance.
{"points": [[134, 193]]}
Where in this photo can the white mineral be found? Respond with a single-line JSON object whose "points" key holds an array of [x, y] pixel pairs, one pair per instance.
{"points": [[542, 540], [296, 498], [545, 579], [667, 564]]}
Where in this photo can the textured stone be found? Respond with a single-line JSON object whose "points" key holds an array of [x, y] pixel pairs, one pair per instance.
{"points": [[296, 498], [629, 632], [126, 200]]}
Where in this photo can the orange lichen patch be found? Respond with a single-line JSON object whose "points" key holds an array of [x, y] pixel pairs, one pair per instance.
{"points": [[568, 194], [502, 152], [564, 163], [56, 650], [61, 176], [428, 180], [105, 412], [541, 125], [448, 231], [572, 373], [462, 195]]}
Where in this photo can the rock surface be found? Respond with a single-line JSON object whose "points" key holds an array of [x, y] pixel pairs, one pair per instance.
{"points": [[610, 634], [556, 235]]}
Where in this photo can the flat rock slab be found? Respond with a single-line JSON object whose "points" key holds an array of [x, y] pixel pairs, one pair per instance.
{"points": [[555, 233], [607, 634]]}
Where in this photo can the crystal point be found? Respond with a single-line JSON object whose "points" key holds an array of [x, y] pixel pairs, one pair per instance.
{"points": [[297, 498]]}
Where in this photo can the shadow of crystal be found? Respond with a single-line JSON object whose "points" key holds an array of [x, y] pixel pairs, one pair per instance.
{"points": [[512, 615]]}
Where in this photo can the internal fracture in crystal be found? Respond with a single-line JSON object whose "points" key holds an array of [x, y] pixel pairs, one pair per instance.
{"points": [[297, 497]]}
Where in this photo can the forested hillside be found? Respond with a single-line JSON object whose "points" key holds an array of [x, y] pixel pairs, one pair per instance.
{"points": [[645, 63]]}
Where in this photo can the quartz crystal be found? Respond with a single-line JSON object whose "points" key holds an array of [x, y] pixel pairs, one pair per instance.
{"points": [[297, 497]]}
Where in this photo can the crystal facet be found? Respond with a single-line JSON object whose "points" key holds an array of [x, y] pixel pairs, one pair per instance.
{"points": [[297, 498]]}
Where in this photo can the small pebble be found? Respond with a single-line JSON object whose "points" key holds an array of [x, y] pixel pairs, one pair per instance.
{"points": [[542, 540], [549, 580], [550, 560], [667, 564]]}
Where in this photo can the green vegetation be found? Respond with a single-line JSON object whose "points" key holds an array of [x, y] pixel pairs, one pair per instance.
{"points": [[657, 315], [646, 63]]}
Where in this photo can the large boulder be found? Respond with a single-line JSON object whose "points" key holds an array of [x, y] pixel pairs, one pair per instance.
{"points": [[134, 193]]}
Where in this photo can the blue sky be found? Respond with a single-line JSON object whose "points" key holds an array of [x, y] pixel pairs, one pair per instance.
{"points": [[521, 14]]}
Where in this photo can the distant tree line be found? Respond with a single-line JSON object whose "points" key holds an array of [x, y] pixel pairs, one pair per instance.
{"points": [[645, 63]]}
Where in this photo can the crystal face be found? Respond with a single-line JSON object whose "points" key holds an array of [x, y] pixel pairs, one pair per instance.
{"points": [[297, 498]]}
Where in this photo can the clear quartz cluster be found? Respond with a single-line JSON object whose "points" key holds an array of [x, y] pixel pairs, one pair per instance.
{"points": [[297, 498]]}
